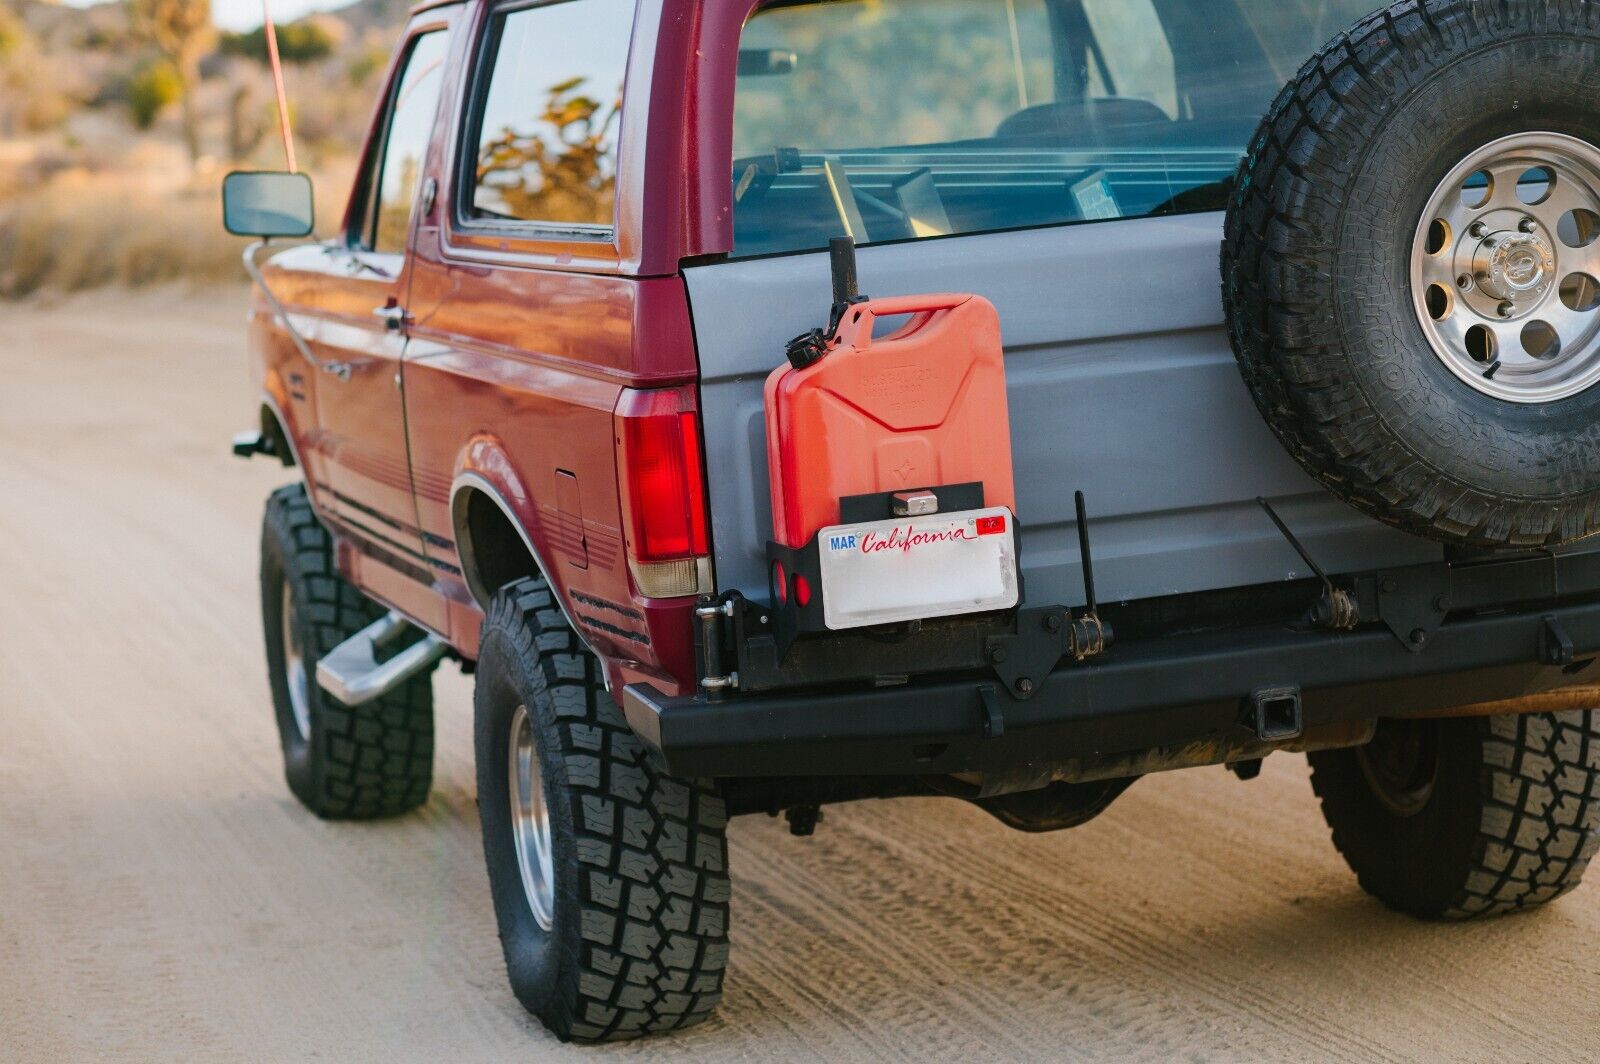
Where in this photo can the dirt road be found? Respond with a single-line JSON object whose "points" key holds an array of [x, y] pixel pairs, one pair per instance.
{"points": [[163, 898]]}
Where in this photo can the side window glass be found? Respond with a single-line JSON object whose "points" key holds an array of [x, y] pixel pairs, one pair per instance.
{"points": [[545, 139], [392, 187]]}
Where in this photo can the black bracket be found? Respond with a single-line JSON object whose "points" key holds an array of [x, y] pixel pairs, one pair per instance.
{"points": [[250, 444], [803, 819], [1413, 602], [1555, 645], [1024, 658], [994, 722]]}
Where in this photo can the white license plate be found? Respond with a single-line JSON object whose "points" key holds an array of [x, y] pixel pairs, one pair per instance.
{"points": [[918, 567]]}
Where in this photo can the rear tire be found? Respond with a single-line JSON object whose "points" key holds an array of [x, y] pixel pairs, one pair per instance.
{"points": [[342, 762], [621, 929], [1466, 817]]}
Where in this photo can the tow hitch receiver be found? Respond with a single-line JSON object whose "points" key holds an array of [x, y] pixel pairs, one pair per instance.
{"points": [[1275, 712], [352, 673]]}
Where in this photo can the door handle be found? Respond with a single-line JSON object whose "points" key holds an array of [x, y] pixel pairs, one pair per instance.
{"points": [[393, 316]]}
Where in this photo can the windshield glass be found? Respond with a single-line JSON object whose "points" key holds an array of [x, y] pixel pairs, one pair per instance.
{"points": [[905, 119]]}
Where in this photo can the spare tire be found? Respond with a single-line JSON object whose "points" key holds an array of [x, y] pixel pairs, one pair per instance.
{"points": [[1411, 272]]}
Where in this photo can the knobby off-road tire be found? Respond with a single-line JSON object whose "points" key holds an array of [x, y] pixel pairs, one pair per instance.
{"points": [[636, 903], [1458, 818], [1317, 261], [342, 762]]}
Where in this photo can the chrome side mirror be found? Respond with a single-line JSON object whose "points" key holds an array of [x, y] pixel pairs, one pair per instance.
{"points": [[267, 203]]}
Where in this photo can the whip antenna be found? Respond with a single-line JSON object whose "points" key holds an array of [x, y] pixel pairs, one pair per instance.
{"points": [[284, 131]]}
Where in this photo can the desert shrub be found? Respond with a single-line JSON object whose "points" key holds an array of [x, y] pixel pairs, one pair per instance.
{"points": [[150, 91], [82, 232], [11, 33], [298, 42]]}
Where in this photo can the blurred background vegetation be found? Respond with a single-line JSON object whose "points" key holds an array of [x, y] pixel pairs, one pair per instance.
{"points": [[117, 122]]}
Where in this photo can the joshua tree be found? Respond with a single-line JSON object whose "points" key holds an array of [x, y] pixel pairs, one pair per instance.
{"points": [[183, 32]]}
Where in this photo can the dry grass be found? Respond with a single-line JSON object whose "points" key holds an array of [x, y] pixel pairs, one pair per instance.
{"points": [[86, 231], [80, 230]]}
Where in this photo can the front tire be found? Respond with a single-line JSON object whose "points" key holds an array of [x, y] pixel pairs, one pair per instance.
{"points": [[1466, 817], [609, 879], [342, 762]]}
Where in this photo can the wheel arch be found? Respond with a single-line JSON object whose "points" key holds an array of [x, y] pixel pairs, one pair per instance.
{"points": [[275, 428], [493, 543]]}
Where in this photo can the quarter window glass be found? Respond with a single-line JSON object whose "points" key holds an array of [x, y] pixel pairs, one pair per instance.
{"points": [[405, 147], [904, 119], [546, 143]]}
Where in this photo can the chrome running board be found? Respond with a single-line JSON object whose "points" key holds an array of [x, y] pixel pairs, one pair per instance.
{"points": [[352, 673]]}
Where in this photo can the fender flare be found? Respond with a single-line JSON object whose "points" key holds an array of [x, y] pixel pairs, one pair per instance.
{"points": [[475, 480], [271, 408]]}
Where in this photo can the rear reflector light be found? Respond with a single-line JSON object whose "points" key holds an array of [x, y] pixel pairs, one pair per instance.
{"points": [[658, 462], [691, 576]]}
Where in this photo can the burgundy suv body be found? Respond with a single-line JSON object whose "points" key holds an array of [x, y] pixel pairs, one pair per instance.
{"points": [[490, 430], [544, 444]]}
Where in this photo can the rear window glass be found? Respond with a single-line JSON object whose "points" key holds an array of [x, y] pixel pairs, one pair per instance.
{"points": [[902, 119], [547, 128]]}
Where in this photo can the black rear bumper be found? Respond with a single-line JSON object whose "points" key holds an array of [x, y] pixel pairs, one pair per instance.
{"points": [[1191, 693]]}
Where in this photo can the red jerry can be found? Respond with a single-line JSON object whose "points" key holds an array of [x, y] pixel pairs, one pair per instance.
{"points": [[922, 407]]}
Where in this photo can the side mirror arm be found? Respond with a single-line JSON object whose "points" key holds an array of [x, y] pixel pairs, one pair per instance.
{"points": [[340, 370]]}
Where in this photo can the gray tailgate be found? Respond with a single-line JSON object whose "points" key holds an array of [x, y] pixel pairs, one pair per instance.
{"points": [[1121, 385]]}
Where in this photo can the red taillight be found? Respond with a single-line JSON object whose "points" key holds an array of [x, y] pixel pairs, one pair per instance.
{"points": [[659, 461]]}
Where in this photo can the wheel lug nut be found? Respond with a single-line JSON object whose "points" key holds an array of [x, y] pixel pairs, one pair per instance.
{"points": [[1505, 309], [1527, 225], [1477, 229]]}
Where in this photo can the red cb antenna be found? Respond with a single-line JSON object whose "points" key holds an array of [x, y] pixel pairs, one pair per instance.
{"points": [[277, 83]]}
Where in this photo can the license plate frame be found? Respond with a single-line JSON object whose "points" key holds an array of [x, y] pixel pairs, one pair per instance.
{"points": [[918, 568]]}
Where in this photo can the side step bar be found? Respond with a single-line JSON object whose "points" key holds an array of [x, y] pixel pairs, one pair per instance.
{"points": [[352, 673]]}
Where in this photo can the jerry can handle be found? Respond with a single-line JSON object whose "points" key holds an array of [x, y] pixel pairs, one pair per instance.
{"points": [[856, 328]]}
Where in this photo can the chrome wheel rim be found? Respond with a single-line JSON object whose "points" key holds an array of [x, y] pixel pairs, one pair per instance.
{"points": [[294, 665], [1505, 268], [530, 821]]}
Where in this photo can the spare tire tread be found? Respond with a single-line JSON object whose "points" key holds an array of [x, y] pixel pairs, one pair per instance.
{"points": [[1279, 259]]}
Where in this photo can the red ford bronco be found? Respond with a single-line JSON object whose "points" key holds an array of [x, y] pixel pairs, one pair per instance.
{"points": [[522, 385]]}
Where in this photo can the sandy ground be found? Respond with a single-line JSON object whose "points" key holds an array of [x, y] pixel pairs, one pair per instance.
{"points": [[163, 898]]}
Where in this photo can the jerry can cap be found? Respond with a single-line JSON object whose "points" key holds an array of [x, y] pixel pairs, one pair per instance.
{"points": [[807, 349]]}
